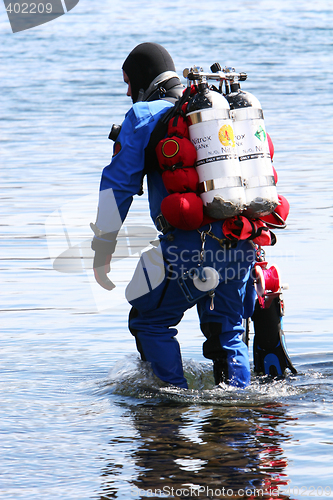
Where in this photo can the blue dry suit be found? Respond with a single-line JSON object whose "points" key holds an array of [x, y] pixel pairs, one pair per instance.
{"points": [[154, 292]]}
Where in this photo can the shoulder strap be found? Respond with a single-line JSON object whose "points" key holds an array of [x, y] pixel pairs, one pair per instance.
{"points": [[158, 134]]}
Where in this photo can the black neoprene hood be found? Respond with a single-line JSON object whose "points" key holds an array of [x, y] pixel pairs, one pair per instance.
{"points": [[144, 64]]}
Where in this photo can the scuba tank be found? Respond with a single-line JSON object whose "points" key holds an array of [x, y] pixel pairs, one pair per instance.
{"points": [[219, 171], [253, 151]]}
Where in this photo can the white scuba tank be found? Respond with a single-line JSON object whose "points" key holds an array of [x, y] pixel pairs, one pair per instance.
{"points": [[253, 152], [211, 132]]}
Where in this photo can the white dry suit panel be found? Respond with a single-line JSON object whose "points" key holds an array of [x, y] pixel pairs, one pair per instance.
{"points": [[219, 170], [253, 153], [149, 274]]}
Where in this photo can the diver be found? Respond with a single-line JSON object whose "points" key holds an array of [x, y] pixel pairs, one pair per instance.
{"points": [[156, 291]]}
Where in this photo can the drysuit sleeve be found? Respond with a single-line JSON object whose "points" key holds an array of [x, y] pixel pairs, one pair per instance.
{"points": [[121, 180]]}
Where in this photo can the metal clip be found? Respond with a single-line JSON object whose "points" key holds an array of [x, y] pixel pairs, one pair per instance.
{"points": [[203, 241], [211, 295], [223, 242]]}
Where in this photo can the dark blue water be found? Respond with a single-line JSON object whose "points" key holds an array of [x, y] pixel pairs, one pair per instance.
{"points": [[80, 417]]}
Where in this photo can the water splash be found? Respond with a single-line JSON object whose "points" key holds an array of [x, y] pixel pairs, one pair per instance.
{"points": [[134, 378]]}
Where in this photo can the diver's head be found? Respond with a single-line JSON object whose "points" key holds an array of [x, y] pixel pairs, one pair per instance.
{"points": [[146, 69]]}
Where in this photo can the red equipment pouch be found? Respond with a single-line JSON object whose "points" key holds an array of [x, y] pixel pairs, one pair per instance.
{"points": [[242, 228], [181, 180], [282, 211], [178, 126], [175, 152], [183, 210]]}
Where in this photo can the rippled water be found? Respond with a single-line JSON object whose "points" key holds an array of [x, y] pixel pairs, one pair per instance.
{"points": [[80, 416]]}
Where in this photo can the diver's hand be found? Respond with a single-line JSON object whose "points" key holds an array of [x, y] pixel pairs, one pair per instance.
{"points": [[101, 269], [104, 245]]}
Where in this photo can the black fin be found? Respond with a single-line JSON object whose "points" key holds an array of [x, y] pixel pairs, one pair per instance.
{"points": [[269, 347]]}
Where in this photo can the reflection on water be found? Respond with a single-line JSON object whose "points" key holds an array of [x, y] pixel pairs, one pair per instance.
{"points": [[211, 442], [205, 441], [225, 450]]}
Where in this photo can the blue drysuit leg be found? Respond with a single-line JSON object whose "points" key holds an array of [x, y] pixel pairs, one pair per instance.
{"points": [[223, 329], [154, 332], [223, 326], [157, 312]]}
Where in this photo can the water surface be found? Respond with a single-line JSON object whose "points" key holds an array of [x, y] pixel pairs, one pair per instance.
{"points": [[80, 416]]}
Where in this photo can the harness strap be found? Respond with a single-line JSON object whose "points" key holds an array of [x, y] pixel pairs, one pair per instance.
{"points": [[162, 224], [159, 133]]}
